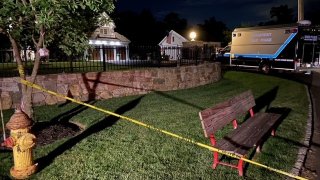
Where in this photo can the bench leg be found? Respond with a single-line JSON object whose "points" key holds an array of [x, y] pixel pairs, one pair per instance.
{"points": [[240, 167], [251, 112], [235, 124], [215, 160], [258, 149]]}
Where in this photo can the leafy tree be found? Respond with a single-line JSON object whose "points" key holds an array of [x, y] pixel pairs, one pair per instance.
{"points": [[147, 27], [314, 12], [126, 23], [279, 15], [140, 28], [4, 41], [38, 23], [213, 30], [172, 21], [283, 14], [144, 28]]}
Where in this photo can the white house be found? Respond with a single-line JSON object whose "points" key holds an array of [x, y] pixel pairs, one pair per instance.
{"points": [[171, 45], [107, 43]]}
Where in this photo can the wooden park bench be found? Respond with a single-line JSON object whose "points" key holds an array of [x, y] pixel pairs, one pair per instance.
{"points": [[245, 136]]}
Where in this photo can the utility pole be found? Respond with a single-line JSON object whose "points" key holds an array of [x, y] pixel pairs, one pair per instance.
{"points": [[300, 10]]}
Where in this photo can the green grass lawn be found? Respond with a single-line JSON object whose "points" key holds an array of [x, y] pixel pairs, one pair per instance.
{"points": [[110, 148]]}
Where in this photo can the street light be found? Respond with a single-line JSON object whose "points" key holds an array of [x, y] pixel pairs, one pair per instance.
{"points": [[193, 35]]}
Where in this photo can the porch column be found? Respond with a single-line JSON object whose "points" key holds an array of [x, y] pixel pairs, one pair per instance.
{"points": [[101, 52], [115, 53], [127, 52]]}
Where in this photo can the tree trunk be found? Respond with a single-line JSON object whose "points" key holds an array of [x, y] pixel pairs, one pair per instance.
{"points": [[26, 92]]}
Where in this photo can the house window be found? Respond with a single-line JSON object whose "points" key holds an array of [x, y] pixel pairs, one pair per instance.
{"points": [[105, 31], [172, 39]]}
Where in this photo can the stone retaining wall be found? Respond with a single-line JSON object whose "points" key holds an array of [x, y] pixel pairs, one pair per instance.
{"points": [[104, 85]]}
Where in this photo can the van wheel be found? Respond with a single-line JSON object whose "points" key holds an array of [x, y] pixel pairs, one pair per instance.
{"points": [[265, 68]]}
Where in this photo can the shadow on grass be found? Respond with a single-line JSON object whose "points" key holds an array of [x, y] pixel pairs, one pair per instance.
{"points": [[266, 99], [60, 123], [99, 126], [63, 117]]}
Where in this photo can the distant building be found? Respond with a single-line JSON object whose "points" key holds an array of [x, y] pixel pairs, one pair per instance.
{"points": [[171, 45], [107, 43]]}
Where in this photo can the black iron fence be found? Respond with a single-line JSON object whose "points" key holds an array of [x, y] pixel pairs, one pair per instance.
{"points": [[103, 58]]}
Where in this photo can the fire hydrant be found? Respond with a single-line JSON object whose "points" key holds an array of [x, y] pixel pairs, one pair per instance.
{"points": [[21, 142]]}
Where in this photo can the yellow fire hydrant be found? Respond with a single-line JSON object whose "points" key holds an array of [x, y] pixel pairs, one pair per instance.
{"points": [[21, 142]]}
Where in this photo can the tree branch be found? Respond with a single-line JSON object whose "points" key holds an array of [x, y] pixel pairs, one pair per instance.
{"points": [[37, 59], [24, 3], [31, 5], [34, 40], [17, 57], [50, 12]]}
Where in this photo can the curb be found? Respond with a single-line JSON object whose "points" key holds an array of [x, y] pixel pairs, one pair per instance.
{"points": [[302, 153]]}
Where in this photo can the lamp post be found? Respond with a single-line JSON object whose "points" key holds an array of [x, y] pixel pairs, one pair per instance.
{"points": [[193, 35]]}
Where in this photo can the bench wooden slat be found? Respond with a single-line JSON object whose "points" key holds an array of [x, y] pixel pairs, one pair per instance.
{"points": [[243, 102], [246, 136], [242, 132], [210, 111], [216, 121], [234, 140], [264, 128], [215, 118]]}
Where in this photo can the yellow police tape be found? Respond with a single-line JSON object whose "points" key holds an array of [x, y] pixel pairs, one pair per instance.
{"points": [[160, 130], [20, 69]]}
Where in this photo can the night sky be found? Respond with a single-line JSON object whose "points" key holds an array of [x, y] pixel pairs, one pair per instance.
{"points": [[231, 12]]}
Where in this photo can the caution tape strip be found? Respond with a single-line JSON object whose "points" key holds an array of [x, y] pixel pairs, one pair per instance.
{"points": [[20, 70], [162, 131]]}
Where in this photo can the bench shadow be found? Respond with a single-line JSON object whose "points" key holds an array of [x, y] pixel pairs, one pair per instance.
{"points": [[106, 122], [266, 99]]}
